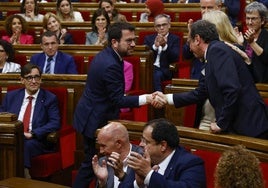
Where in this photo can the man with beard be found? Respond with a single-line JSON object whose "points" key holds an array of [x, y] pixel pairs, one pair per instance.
{"points": [[104, 94]]}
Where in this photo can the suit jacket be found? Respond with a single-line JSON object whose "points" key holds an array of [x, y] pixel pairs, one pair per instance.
{"points": [[46, 117], [64, 63], [230, 88], [110, 180], [184, 170], [103, 95], [170, 55], [24, 39]]}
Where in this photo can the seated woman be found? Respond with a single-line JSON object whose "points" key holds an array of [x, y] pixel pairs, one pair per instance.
{"points": [[152, 9], [29, 11], [237, 168], [65, 11], [100, 25], [6, 57], [16, 28], [51, 22]]}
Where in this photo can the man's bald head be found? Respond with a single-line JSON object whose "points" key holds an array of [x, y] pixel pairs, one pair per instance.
{"points": [[115, 130]]}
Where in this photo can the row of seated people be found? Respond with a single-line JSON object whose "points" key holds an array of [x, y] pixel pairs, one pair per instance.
{"points": [[150, 9], [209, 147], [85, 13], [169, 56]]}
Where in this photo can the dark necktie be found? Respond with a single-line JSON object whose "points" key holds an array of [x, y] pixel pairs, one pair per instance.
{"points": [[27, 114], [47, 71]]}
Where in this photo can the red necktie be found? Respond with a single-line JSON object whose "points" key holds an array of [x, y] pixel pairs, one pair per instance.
{"points": [[27, 114]]}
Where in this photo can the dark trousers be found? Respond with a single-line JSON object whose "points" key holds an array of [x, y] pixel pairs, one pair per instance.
{"points": [[86, 174], [158, 77]]}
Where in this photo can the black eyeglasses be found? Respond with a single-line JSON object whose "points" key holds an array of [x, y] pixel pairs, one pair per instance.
{"points": [[30, 78], [158, 26]]}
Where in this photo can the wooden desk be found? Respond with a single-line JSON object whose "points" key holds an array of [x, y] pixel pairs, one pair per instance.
{"points": [[16, 182]]}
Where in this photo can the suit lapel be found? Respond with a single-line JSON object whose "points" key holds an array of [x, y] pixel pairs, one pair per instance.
{"points": [[171, 163], [57, 62], [38, 106], [19, 102], [110, 180]]}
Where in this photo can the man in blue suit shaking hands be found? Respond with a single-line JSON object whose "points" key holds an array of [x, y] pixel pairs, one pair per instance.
{"points": [[104, 94]]}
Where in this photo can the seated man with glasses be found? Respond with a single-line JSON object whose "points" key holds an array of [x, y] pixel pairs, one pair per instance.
{"points": [[255, 40], [166, 50], [51, 60], [37, 109]]}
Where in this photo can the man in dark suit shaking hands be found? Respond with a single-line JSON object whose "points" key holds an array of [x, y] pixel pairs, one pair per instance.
{"points": [[227, 83], [104, 94]]}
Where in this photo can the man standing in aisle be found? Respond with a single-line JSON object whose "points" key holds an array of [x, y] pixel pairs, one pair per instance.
{"points": [[104, 94]]}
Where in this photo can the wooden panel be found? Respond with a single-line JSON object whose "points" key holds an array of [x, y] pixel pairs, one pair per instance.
{"points": [[11, 148]]}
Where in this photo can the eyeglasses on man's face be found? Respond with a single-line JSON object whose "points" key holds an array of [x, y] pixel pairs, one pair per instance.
{"points": [[253, 19], [158, 26], [31, 78]]}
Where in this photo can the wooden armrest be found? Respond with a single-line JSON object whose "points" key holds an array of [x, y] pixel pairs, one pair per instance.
{"points": [[53, 137]]}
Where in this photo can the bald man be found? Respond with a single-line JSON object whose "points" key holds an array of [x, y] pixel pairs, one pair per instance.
{"points": [[113, 141]]}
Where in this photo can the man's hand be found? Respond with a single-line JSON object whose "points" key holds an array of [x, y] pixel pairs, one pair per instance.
{"points": [[28, 135], [140, 164], [214, 128], [159, 100], [115, 162], [100, 171]]}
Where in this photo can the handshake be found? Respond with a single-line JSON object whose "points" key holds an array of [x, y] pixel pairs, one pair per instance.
{"points": [[157, 99]]}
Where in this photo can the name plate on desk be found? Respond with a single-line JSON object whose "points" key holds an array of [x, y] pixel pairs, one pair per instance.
{"points": [[8, 117]]}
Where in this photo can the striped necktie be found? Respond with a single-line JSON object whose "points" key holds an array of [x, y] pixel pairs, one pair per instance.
{"points": [[47, 71]]}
